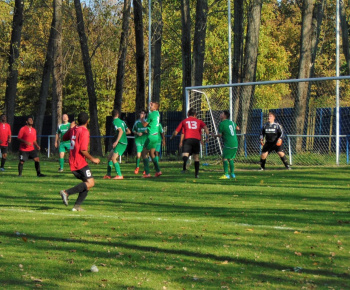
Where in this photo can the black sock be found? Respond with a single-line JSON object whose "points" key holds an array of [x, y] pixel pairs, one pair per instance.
{"points": [[37, 167], [3, 160], [184, 158], [262, 163], [284, 160], [82, 195], [196, 167], [20, 168], [77, 189]]}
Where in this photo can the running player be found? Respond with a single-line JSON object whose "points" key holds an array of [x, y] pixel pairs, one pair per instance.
{"points": [[119, 146], [27, 137], [227, 130], [152, 139], [79, 142], [5, 139], [140, 133], [273, 134], [63, 145], [190, 138]]}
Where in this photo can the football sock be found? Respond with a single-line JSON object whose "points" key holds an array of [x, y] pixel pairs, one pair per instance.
{"points": [[3, 160], [137, 162], [20, 168], [196, 167], [109, 168], [232, 166], [146, 165], [156, 164], [117, 168], [157, 158], [61, 163], [262, 163], [284, 160], [184, 158], [82, 195], [37, 167], [78, 188], [225, 166]]}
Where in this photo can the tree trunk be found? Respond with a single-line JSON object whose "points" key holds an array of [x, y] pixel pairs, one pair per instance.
{"points": [[237, 55], [345, 34], [140, 56], [12, 78], [45, 83], [250, 63], [186, 51], [95, 143], [305, 62], [157, 30], [122, 56]]}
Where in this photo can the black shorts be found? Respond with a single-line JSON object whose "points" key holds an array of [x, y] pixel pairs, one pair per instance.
{"points": [[269, 147], [25, 155], [84, 173], [191, 146], [4, 149]]}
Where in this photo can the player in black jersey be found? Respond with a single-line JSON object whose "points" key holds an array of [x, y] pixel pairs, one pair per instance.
{"points": [[273, 134]]}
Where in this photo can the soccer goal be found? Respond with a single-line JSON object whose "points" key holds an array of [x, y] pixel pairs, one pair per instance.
{"points": [[306, 109]]}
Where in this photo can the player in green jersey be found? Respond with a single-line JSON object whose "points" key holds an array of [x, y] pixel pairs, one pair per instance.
{"points": [[140, 133], [63, 146], [227, 130], [119, 146], [152, 124]]}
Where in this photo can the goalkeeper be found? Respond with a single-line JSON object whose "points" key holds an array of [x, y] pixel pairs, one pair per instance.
{"points": [[273, 134]]}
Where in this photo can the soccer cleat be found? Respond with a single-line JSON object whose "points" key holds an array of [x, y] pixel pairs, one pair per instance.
{"points": [[261, 169], [118, 177], [60, 169], [225, 176], [158, 174], [2, 169], [77, 208], [288, 167], [233, 175], [64, 196], [41, 175], [146, 175], [196, 176], [144, 172], [137, 170], [184, 171], [106, 177], [19, 175]]}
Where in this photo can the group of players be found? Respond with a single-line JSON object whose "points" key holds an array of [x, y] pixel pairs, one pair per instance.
{"points": [[149, 136]]}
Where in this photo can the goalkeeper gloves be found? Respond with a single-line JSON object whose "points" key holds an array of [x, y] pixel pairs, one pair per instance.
{"points": [[279, 142], [262, 142]]}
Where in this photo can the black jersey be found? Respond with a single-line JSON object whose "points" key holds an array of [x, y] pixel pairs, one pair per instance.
{"points": [[271, 132]]}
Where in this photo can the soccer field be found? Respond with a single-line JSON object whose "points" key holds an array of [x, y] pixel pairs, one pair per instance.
{"points": [[273, 229]]}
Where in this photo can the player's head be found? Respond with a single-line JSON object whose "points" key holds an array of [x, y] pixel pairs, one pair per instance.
{"points": [[191, 112], [142, 114], [225, 115], [83, 118], [3, 118], [65, 118], [153, 106], [272, 117], [115, 113], [30, 121]]}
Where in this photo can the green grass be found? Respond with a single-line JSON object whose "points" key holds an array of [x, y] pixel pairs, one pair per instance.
{"points": [[176, 232]]}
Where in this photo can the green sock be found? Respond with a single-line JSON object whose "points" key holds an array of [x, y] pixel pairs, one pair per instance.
{"points": [[232, 166], [225, 166], [146, 165], [61, 163], [109, 168], [117, 169], [156, 165], [137, 162]]}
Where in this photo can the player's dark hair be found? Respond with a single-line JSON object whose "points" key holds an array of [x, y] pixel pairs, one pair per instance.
{"points": [[142, 111], [191, 112], [115, 113], [227, 114], [83, 117], [272, 113]]}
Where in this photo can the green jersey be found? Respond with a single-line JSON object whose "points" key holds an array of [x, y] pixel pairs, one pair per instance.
{"points": [[118, 123], [228, 130], [160, 132], [139, 128], [153, 123], [61, 130]]}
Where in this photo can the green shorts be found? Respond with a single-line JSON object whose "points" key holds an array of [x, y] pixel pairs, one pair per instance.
{"points": [[229, 153], [120, 148], [64, 147], [139, 145], [158, 147], [151, 142]]}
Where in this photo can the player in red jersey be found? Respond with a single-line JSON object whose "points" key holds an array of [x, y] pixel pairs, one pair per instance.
{"points": [[79, 137], [190, 138], [5, 139], [27, 137]]}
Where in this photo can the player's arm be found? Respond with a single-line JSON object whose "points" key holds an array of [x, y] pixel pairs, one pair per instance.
{"points": [[262, 136], [163, 138], [206, 130], [9, 136], [56, 140], [144, 123], [19, 138], [36, 145], [181, 140], [120, 133], [279, 135], [87, 155], [216, 135], [127, 131], [177, 130]]}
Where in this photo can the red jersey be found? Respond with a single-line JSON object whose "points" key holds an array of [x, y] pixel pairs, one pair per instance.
{"points": [[27, 134], [5, 134], [79, 141], [191, 128]]}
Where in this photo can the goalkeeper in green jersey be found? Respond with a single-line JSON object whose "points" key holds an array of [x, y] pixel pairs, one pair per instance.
{"points": [[63, 146], [227, 130], [152, 124], [119, 146], [140, 133]]}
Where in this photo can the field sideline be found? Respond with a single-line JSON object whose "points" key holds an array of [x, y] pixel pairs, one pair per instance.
{"points": [[273, 229]]}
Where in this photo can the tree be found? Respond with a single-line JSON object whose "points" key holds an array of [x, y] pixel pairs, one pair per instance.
{"points": [[95, 146], [345, 34]]}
